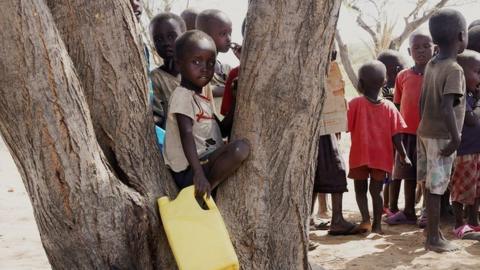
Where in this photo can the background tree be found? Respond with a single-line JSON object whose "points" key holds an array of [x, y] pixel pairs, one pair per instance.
{"points": [[74, 114], [379, 19]]}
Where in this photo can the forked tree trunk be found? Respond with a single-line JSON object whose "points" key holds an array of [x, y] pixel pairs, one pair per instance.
{"points": [[74, 114], [266, 203], [94, 211]]}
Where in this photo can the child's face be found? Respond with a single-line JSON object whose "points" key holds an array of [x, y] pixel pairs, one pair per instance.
{"points": [[164, 36], [472, 75], [221, 31], [421, 49], [394, 66], [198, 65], [137, 7]]}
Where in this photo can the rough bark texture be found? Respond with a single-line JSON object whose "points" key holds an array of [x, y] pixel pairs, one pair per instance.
{"points": [[103, 43], [93, 210], [266, 203]]}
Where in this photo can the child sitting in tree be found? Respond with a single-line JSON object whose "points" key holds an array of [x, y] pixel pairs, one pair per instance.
{"points": [[194, 150], [408, 87], [442, 109], [465, 182], [164, 28], [374, 123], [189, 15], [219, 27]]}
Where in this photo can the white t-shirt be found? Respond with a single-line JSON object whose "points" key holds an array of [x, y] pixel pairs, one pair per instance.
{"points": [[206, 131]]}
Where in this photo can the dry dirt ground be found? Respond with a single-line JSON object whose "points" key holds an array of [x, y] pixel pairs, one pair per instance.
{"points": [[399, 248]]}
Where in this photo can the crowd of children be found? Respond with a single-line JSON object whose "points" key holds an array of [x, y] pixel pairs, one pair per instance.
{"points": [[419, 124]]}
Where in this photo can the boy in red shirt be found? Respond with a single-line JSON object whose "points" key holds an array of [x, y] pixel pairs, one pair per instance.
{"points": [[374, 123], [408, 88]]}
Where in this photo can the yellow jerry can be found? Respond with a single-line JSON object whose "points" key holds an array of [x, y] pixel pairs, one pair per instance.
{"points": [[198, 238]]}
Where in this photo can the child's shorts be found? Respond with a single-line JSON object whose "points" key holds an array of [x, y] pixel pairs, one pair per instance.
{"points": [[465, 184], [406, 172], [184, 178], [364, 172], [433, 168]]}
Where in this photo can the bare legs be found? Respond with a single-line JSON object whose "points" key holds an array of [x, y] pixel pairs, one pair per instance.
{"points": [[375, 188]]}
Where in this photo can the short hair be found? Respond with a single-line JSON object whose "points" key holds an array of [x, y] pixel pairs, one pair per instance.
{"points": [[187, 39], [165, 16], [418, 33], [474, 39], [373, 73], [445, 25], [209, 16], [473, 24], [391, 55], [190, 14], [467, 57]]}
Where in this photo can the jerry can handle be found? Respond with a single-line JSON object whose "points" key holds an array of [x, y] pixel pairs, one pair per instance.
{"points": [[190, 192]]}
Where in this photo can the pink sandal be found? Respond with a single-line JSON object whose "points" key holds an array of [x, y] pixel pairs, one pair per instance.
{"points": [[462, 230]]}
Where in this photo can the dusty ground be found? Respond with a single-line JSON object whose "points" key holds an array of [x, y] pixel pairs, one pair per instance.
{"points": [[399, 248]]}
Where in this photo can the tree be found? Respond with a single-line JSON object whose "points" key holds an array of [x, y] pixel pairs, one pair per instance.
{"points": [[75, 117], [266, 204], [380, 26]]}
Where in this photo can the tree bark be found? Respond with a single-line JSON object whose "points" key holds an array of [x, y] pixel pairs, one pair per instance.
{"points": [[94, 211], [266, 204]]}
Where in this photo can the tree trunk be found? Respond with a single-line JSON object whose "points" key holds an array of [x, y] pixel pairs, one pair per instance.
{"points": [[93, 210], [266, 204]]}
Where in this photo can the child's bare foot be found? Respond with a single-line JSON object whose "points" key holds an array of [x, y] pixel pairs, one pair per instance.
{"points": [[377, 228], [441, 245], [363, 227]]}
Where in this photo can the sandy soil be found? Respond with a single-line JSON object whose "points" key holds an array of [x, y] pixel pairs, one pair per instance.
{"points": [[399, 248]]}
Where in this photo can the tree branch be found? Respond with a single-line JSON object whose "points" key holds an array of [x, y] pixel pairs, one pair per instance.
{"points": [[410, 26], [345, 58]]}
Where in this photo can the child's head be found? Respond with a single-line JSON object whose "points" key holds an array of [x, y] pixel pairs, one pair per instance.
{"points": [[473, 24], [195, 56], [474, 39], [394, 62], [218, 26], [449, 30], [165, 28], [371, 78], [137, 7], [421, 47], [189, 15], [470, 62]]}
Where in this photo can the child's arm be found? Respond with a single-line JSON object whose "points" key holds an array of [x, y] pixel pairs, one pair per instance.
{"points": [[397, 141], [218, 91], [449, 116], [201, 183], [472, 114], [226, 124]]}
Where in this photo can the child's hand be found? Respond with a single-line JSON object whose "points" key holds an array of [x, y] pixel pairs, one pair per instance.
{"points": [[450, 148], [202, 186], [236, 49]]}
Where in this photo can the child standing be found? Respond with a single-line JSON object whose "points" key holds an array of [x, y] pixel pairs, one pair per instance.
{"points": [[373, 123], [164, 29], [465, 183], [442, 109], [394, 62], [408, 87], [194, 150]]}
